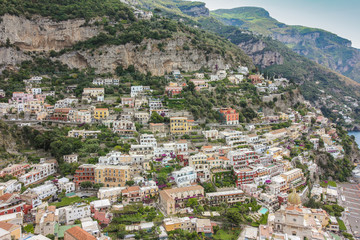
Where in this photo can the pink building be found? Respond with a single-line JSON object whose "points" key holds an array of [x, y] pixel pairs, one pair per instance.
{"points": [[21, 97]]}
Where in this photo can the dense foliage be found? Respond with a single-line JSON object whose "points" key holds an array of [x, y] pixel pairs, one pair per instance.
{"points": [[67, 9]]}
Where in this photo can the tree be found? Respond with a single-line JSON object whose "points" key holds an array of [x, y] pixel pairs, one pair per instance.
{"points": [[156, 118], [29, 228], [86, 184], [130, 183], [192, 202], [7, 44], [51, 236]]}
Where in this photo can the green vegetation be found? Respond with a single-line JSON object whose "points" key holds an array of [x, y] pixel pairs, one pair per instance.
{"points": [[341, 223], [226, 234], [324, 184], [29, 228], [72, 200], [68, 9]]}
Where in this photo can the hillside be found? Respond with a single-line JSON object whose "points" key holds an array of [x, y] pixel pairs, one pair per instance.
{"points": [[107, 36], [321, 46]]}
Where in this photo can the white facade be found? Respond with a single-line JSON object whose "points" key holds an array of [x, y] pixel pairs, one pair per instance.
{"points": [[148, 139], [71, 213], [65, 184], [36, 91], [185, 176], [39, 172], [44, 191], [73, 158]]}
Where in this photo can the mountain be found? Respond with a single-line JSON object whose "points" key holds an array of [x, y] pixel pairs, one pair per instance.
{"points": [[318, 45], [104, 35]]}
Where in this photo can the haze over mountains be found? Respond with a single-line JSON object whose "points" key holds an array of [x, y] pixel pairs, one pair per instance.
{"points": [[321, 46]]}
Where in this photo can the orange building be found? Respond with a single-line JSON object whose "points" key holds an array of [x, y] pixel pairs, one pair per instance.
{"points": [[229, 116]]}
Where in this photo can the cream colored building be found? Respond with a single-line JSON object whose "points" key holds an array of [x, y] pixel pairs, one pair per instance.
{"points": [[112, 176]]}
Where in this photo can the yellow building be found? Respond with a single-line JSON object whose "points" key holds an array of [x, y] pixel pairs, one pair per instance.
{"points": [[180, 125], [112, 176], [15, 230], [101, 113], [172, 224]]}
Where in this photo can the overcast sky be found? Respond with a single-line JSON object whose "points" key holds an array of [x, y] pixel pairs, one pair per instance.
{"points": [[341, 17]]}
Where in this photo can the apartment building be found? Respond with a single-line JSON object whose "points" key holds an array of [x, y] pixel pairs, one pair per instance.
{"points": [[112, 176], [15, 170], [69, 214], [242, 158], [245, 175], [64, 184], [148, 140], [228, 197], [45, 191], [174, 200], [185, 176], [94, 92], [180, 125], [38, 173], [110, 193], [84, 173], [293, 178]]}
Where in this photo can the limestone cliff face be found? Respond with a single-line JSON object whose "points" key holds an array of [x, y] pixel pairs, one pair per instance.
{"points": [[196, 11], [43, 34], [261, 57], [10, 57], [146, 57]]}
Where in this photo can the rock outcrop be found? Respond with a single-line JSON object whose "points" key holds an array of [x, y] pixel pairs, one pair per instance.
{"points": [[149, 59], [43, 34]]}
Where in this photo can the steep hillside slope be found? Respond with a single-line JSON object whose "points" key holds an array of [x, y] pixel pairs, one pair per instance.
{"points": [[321, 46]]}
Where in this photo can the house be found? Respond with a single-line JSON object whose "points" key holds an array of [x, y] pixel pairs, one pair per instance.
{"points": [[15, 230], [131, 195], [77, 233], [38, 173], [94, 92], [157, 127], [148, 139], [173, 89], [199, 84], [83, 133], [180, 125], [5, 235], [107, 81], [10, 187], [142, 117], [45, 221], [72, 158], [204, 226], [128, 102], [60, 114], [229, 116], [101, 113], [174, 200]]}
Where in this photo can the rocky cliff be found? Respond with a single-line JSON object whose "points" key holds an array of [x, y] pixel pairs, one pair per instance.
{"points": [[43, 35], [147, 59], [195, 9]]}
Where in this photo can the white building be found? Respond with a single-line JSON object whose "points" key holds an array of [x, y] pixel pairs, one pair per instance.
{"points": [[212, 134], [10, 186], [148, 139], [65, 184], [36, 91], [185, 176], [136, 90], [44, 191], [39, 172], [72, 158], [71, 213], [155, 104]]}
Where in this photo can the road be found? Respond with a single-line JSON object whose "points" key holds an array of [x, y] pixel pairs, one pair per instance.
{"points": [[350, 199]]}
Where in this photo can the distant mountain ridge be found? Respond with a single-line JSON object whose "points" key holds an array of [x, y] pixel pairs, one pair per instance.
{"points": [[319, 45]]}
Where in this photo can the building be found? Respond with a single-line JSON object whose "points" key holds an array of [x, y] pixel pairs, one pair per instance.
{"points": [[293, 178], [44, 191], [157, 128], [94, 92], [185, 176], [15, 170], [148, 139], [83, 133], [64, 184], [69, 214], [128, 102], [180, 125], [229, 197], [113, 194], [77, 233], [174, 200], [112, 176], [84, 173], [101, 113], [245, 175], [229, 116], [72, 158], [106, 81], [38, 173], [15, 230]]}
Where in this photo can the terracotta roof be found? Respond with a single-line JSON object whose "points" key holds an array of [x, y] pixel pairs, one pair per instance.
{"points": [[131, 189], [80, 234], [5, 197], [183, 189], [8, 226]]}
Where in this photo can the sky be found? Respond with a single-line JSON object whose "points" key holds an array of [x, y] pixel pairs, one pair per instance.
{"points": [[341, 17]]}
